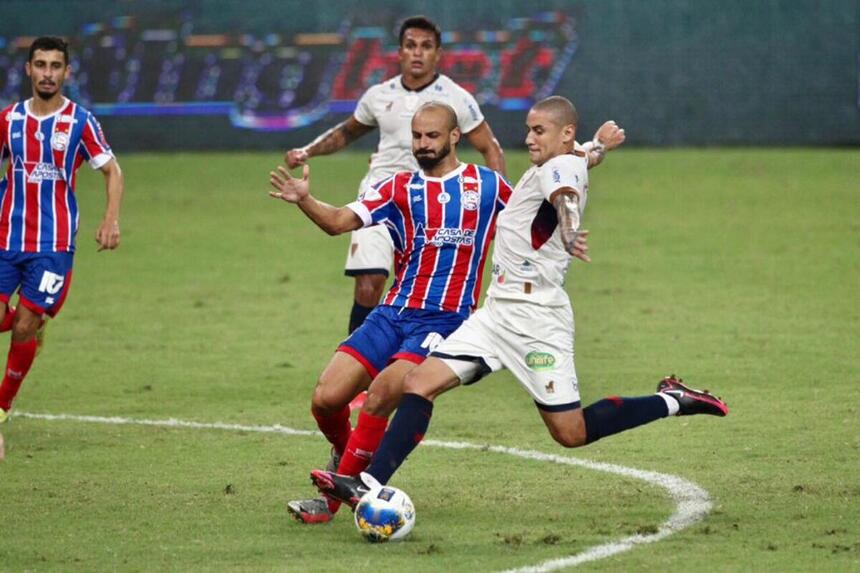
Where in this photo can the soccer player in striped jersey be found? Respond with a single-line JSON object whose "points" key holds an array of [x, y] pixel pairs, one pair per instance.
{"points": [[45, 139], [441, 219], [389, 106], [526, 324]]}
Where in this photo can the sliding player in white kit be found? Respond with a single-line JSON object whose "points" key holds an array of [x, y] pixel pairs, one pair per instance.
{"points": [[526, 324]]}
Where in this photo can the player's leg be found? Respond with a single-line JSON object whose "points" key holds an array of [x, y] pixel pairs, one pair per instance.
{"points": [[408, 426], [370, 256], [45, 281], [421, 331], [366, 295]]}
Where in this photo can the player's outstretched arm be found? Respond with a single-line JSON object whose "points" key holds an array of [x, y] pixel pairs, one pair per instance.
{"points": [[566, 203], [330, 141], [333, 220], [606, 138], [107, 235], [483, 139]]}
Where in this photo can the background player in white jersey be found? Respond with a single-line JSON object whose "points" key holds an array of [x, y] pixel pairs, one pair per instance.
{"points": [[526, 323], [390, 106]]}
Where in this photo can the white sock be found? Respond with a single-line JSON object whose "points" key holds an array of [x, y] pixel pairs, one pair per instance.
{"points": [[671, 403]]}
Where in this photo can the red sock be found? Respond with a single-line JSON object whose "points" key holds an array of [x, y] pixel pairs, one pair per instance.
{"points": [[8, 319], [21, 356], [335, 427], [364, 440], [362, 443]]}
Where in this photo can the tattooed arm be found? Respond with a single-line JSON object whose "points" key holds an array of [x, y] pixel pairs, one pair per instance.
{"points": [[331, 141]]}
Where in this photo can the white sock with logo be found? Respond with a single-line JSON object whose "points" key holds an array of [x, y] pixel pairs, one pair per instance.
{"points": [[671, 403]]}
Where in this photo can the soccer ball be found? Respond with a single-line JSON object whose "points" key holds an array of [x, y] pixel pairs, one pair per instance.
{"points": [[384, 514]]}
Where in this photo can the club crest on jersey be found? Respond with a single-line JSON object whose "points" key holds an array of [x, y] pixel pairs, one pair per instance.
{"points": [[470, 200], [60, 141], [44, 172]]}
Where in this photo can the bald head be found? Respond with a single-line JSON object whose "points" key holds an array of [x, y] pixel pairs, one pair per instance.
{"points": [[441, 112], [559, 109]]}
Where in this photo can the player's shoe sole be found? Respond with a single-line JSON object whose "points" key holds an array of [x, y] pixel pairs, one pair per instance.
{"points": [[690, 400], [346, 489], [310, 510]]}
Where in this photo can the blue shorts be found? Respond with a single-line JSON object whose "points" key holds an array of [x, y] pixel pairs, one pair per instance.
{"points": [[392, 333], [44, 279]]}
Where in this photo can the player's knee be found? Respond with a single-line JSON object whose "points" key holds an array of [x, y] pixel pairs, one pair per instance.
{"points": [[382, 400], [416, 383], [368, 289], [326, 402], [569, 437]]}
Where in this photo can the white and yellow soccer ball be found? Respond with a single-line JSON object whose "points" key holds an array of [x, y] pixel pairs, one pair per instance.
{"points": [[384, 513]]}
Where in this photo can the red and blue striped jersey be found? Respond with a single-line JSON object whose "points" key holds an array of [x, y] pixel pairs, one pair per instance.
{"points": [[441, 228], [38, 210]]}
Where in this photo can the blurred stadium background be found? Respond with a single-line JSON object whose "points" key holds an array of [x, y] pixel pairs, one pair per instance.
{"points": [[207, 74]]}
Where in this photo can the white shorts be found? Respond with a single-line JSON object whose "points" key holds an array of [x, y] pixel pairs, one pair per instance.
{"points": [[534, 342], [371, 250]]}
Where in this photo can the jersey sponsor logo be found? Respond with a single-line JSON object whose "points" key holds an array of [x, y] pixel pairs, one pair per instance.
{"points": [[14, 115], [60, 140], [470, 200], [51, 282], [417, 186], [556, 176], [16, 135], [66, 118], [40, 136], [443, 198], [44, 172], [446, 236], [540, 360]]}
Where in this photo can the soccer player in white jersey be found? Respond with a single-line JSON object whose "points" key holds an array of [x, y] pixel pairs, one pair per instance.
{"points": [[526, 323], [390, 106]]}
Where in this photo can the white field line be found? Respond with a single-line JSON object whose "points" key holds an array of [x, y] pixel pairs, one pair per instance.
{"points": [[692, 503]]}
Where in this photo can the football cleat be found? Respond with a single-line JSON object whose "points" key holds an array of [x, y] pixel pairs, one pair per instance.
{"points": [[346, 489], [310, 510], [691, 401], [333, 461]]}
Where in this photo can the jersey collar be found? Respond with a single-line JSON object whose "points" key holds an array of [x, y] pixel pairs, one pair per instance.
{"points": [[456, 171], [419, 88]]}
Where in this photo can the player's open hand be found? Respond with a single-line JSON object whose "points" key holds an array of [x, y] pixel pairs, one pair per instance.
{"points": [[107, 235], [295, 157], [288, 187], [610, 135], [580, 246]]}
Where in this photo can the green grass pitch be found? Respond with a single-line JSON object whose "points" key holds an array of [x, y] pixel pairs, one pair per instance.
{"points": [[737, 269]]}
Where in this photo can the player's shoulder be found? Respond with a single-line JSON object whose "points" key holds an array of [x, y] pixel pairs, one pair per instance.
{"points": [[573, 160], [389, 86]]}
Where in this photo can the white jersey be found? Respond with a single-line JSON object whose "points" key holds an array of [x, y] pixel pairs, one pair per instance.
{"points": [[529, 260], [390, 107]]}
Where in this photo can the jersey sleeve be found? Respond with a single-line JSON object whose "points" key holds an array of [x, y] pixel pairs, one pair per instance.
{"points": [[94, 146], [469, 114], [364, 109], [563, 171], [504, 193], [4, 133], [375, 202]]}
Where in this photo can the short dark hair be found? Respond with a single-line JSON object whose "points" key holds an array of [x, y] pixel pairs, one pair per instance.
{"points": [[421, 23], [560, 108], [48, 43]]}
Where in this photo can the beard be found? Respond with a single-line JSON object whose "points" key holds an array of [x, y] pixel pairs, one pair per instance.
{"points": [[46, 95], [429, 160]]}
